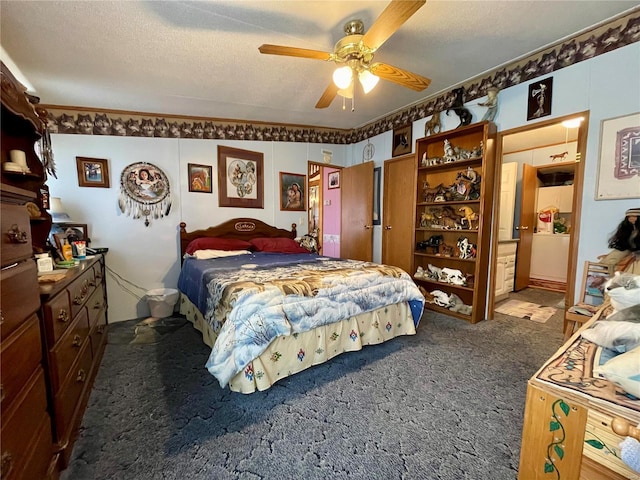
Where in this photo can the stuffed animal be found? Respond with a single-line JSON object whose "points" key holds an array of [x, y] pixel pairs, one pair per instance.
{"points": [[623, 290]]}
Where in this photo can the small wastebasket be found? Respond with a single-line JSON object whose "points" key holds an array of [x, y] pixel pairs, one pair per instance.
{"points": [[161, 301]]}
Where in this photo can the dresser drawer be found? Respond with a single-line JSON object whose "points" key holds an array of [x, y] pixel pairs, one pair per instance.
{"points": [[98, 274], [95, 305], [65, 352], [99, 334], [38, 463], [68, 397], [57, 315], [21, 426], [16, 233], [20, 356], [20, 295], [601, 444], [81, 289]]}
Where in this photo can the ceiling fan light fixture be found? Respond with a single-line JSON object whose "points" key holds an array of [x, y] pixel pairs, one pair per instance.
{"points": [[368, 80], [343, 77]]}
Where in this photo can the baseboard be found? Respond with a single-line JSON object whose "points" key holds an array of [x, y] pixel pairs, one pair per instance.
{"points": [[548, 285]]}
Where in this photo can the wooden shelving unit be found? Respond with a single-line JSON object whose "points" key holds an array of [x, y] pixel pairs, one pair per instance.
{"points": [[465, 170]]}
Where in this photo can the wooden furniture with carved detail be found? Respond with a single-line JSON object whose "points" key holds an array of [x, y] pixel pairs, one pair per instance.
{"points": [[570, 434], [22, 126], [74, 314], [26, 437]]}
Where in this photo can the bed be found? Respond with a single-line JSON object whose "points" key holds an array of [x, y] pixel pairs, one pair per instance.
{"points": [[269, 308]]}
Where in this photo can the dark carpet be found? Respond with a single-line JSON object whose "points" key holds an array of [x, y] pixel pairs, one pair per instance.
{"points": [[447, 403]]}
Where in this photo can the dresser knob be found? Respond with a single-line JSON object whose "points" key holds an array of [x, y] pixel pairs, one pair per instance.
{"points": [[82, 376], [77, 300], [100, 329], [1, 317], [77, 340], [6, 464], [97, 306], [1, 393], [63, 316]]}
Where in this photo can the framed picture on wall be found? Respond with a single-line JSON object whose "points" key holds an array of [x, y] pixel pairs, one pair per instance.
{"points": [[539, 100], [92, 172], [200, 178], [401, 141], [619, 163], [333, 180], [240, 178], [292, 188]]}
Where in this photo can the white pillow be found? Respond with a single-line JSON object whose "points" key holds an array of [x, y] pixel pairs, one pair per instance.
{"points": [[623, 370], [619, 336], [205, 254]]}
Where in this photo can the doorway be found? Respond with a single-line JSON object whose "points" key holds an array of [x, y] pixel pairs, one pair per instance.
{"points": [[538, 150]]}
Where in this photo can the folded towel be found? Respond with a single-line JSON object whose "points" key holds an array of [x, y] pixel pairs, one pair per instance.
{"points": [[630, 453]]}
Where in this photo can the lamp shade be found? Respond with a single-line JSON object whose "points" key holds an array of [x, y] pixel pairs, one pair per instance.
{"points": [[58, 212], [342, 77], [368, 80]]}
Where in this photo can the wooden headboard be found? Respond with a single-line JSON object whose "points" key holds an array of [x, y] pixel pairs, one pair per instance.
{"points": [[238, 228]]}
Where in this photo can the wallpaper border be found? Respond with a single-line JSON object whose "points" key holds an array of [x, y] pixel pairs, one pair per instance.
{"points": [[618, 33]]}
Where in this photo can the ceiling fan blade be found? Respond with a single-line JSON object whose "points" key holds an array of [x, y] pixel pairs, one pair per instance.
{"points": [[294, 52], [328, 96], [390, 20], [401, 77]]}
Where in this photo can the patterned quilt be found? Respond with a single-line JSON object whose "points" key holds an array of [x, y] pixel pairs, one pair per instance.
{"points": [[249, 300]]}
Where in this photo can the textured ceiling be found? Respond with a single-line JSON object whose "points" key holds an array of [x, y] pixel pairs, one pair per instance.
{"points": [[200, 58]]}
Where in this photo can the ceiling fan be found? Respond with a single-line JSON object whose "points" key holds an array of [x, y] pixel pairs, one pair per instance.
{"points": [[354, 55]]}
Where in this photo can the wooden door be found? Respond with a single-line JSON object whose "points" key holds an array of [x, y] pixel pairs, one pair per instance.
{"points": [[356, 201], [527, 225], [508, 182], [397, 212]]}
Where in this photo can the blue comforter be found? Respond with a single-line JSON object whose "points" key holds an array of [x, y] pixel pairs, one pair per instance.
{"points": [[249, 300]]}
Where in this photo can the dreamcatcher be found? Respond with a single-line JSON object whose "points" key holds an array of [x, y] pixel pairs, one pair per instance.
{"points": [[144, 192]]}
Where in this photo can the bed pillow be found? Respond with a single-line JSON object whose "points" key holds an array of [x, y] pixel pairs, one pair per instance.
{"points": [[277, 245], [213, 243], [618, 336], [624, 370]]}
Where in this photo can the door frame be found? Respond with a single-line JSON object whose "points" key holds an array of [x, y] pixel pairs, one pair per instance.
{"points": [[578, 181]]}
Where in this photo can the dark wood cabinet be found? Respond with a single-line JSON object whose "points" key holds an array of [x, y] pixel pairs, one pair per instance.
{"points": [[74, 315], [26, 439]]}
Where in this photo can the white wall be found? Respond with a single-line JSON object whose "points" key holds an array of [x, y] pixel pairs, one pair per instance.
{"points": [[142, 258], [608, 86]]}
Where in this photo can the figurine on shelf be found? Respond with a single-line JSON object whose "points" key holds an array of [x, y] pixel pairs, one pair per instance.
{"points": [[432, 125], [457, 305], [467, 249], [491, 103], [440, 298], [469, 216], [458, 107], [449, 152], [426, 219], [454, 276]]}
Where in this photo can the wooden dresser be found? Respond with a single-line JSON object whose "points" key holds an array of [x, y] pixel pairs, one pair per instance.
{"points": [[74, 314], [27, 443]]}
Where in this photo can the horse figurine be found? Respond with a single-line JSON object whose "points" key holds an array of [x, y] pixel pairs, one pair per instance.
{"points": [[432, 125], [458, 107], [469, 216]]}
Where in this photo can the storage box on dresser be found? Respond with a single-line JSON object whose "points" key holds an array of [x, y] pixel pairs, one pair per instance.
{"points": [[434, 169], [74, 313], [27, 443]]}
